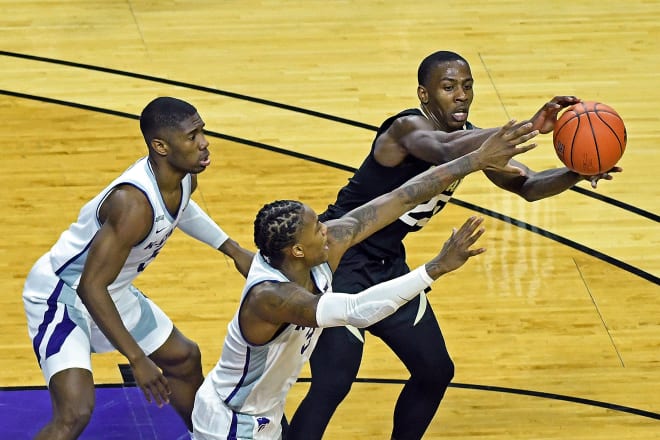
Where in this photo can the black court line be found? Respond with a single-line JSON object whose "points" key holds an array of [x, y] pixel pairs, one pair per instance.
{"points": [[518, 391], [192, 87], [558, 238], [585, 192], [618, 263], [476, 387]]}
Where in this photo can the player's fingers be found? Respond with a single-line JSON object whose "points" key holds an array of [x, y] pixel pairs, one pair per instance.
{"points": [[162, 391], [472, 239], [504, 130], [566, 100], [524, 148], [524, 137], [469, 227], [518, 130], [147, 394], [473, 252], [512, 170]]}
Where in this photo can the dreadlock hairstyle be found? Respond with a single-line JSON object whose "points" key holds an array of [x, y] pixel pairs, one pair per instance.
{"points": [[442, 56], [275, 228], [163, 113]]}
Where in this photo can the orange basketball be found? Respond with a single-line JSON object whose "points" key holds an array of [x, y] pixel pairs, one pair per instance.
{"points": [[590, 138]]}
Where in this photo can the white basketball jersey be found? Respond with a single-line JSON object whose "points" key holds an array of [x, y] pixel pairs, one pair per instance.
{"points": [[69, 253], [253, 380]]}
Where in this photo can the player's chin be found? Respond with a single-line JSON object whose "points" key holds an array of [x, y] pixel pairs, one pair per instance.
{"points": [[455, 124], [198, 169]]}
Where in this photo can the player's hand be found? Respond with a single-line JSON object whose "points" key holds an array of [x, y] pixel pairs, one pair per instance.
{"points": [[605, 176], [456, 251], [544, 120], [151, 380], [500, 147]]}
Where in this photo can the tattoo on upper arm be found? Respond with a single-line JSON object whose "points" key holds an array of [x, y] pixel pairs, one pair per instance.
{"points": [[365, 216], [341, 232]]}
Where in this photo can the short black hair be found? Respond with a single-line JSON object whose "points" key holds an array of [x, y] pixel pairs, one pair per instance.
{"points": [[163, 113], [442, 56]]}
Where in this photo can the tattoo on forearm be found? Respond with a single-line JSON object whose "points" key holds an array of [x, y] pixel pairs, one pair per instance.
{"points": [[435, 181]]}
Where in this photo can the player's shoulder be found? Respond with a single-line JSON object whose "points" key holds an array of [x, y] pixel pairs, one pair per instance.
{"points": [[410, 122]]}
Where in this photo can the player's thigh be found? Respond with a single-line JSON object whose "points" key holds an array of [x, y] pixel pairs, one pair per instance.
{"points": [[60, 337], [418, 342], [144, 319], [177, 350], [337, 355]]}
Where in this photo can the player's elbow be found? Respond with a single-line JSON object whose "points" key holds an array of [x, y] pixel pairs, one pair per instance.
{"points": [[530, 196]]}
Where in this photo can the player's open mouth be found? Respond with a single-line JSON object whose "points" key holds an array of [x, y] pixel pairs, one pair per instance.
{"points": [[460, 116], [205, 162]]}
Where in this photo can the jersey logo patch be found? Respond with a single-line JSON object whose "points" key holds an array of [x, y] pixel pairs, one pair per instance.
{"points": [[262, 422]]}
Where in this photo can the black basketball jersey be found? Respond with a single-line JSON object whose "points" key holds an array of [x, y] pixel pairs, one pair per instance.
{"points": [[372, 180]]}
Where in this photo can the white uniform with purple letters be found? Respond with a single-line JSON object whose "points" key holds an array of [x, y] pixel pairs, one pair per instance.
{"points": [[62, 331], [243, 396]]}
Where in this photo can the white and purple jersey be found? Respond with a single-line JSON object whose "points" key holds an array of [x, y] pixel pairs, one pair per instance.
{"points": [[253, 380]]}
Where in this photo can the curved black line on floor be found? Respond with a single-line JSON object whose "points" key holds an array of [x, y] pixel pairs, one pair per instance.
{"points": [[192, 87], [585, 192], [618, 263], [496, 389], [558, 238], [519, 391]]}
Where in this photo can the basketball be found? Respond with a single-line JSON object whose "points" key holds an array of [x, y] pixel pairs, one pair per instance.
{"points": [[589, 138]]}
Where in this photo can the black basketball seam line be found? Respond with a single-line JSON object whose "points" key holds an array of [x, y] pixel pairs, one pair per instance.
{"points": [[577, 128], [621, 146], [559, 130], [583, 110], [595, 139]]}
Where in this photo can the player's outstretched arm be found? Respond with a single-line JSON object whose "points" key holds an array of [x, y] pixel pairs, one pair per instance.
{"points": [[363, 221], [271, 304], [545, 118], [379, 301]]}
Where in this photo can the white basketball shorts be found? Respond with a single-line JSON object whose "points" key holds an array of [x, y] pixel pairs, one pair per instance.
{"points": [[63, 333]]}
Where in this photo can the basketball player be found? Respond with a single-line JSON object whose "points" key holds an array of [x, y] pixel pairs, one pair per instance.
{"points": [[288, 292], [79, 296], [405, 145]]}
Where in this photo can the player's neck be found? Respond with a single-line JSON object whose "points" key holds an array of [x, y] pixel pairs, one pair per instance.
{"points": [[431, 118], [168, 180], [298, 273]]}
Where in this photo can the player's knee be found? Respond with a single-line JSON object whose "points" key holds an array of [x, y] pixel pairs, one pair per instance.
{"points": [[333, 388], [74, 416], [437, 376], [185, 361]]}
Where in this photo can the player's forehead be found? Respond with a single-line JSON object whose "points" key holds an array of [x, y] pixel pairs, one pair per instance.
{"points": [[455, 70], [309, 215], [191, 123]]}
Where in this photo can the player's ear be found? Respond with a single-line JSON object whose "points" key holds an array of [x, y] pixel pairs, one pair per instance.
{"points": [[297, 251], [422, 94], [159, 146]]}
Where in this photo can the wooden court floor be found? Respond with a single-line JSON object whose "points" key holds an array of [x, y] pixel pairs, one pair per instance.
{"points": [[555, 330]]}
